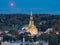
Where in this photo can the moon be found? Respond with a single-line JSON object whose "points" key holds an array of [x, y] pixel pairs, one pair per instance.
{"points": [[11, 4]]}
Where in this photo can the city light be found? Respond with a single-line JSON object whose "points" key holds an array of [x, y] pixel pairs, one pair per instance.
{"points": [[57, 33]]}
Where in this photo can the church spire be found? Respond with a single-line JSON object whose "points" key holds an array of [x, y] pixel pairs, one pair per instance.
{"points": [[32, 28], [31, 22]]}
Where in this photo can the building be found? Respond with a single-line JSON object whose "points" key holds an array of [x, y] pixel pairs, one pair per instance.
{"points": [[31, 27]]}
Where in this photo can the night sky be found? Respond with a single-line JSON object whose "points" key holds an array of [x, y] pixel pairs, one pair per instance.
{"points": [[25, 6]]}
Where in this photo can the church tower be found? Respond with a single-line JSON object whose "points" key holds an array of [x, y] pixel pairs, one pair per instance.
{"points": [[31, 22], [31, 27]]}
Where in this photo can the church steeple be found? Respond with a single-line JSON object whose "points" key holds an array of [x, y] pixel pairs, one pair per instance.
{"points": [[31, 27], [31, 22]]}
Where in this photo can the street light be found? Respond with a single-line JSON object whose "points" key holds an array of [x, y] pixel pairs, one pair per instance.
{"points": [[57, 33]]}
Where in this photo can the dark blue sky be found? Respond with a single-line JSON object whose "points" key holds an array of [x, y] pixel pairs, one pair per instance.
{"points": [[25, 6]]}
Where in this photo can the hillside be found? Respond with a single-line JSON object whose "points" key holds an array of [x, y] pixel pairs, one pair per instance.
{"points": [[16, 21]]}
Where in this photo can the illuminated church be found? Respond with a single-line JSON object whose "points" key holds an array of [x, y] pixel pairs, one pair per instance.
{"points": [[31, 27]]}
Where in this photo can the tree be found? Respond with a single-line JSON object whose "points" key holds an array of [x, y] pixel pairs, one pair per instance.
{"points": [[51, 38], [13, 32]]}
